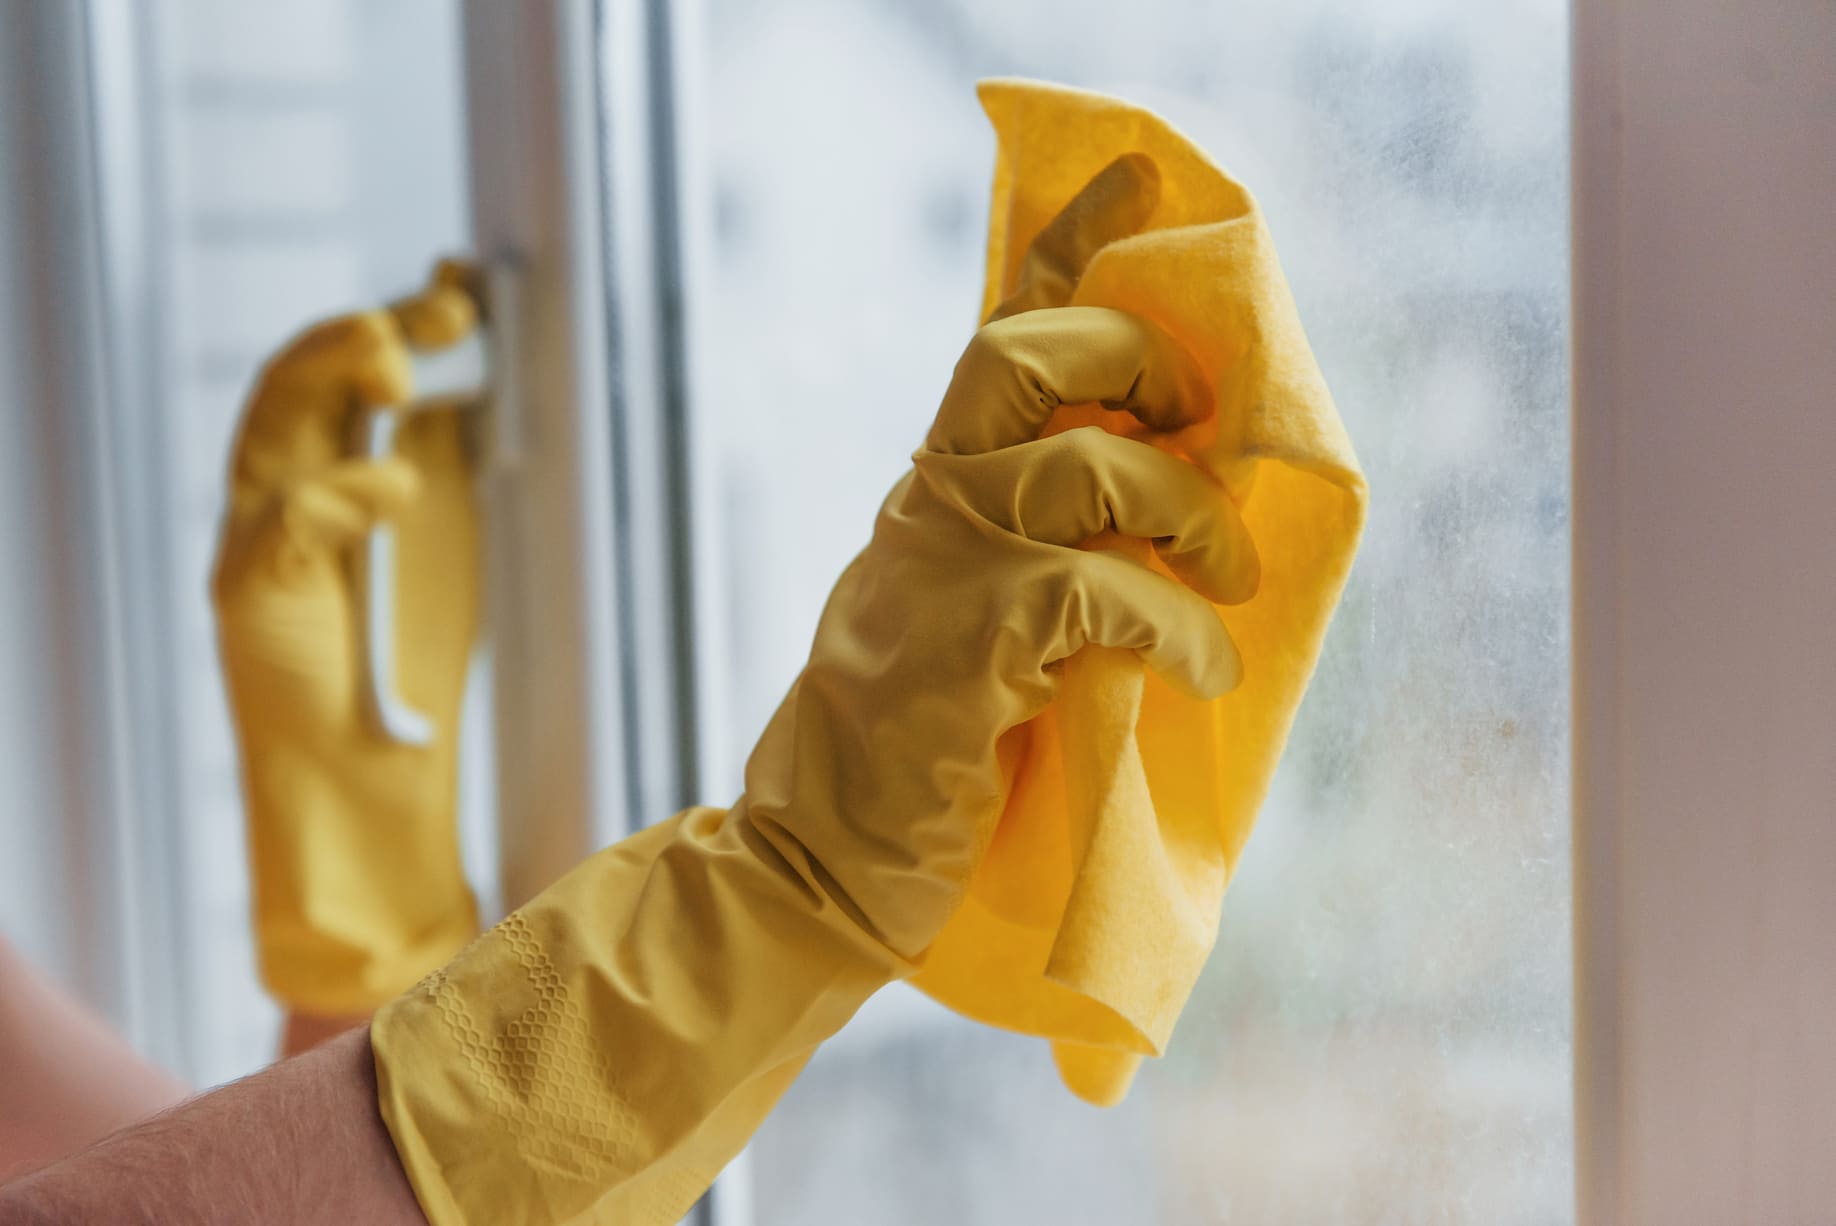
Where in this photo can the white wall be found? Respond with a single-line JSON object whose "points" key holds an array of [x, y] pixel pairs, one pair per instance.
{"points": [[1705, 596]]}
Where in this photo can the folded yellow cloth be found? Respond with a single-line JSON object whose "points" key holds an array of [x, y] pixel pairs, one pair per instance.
{"points": [[1094, 911]]}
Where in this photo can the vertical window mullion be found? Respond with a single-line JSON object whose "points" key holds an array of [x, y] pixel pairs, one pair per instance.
{"points": [[562, 783]]}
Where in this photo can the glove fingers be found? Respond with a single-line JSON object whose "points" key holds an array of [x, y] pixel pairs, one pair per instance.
{"points": [[1120, 603], [1113, 205], [1068, 488], [301, 409], [443, 313], [1016, 371], [300, 413], [345, 502]]}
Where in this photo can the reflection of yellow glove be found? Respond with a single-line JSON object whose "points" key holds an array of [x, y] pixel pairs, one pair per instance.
{"points": [[610, 1046], [358, 888]]}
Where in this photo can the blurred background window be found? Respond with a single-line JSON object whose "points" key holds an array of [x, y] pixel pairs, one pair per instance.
{"points": [[275, 163], [1383, 1033], [317, 160]]}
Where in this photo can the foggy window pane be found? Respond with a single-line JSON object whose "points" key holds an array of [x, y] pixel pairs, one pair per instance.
{"points": [[1383, 1033]]}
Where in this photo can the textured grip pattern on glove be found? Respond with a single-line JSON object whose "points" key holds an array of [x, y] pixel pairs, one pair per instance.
{"points": [[602, 1053], [530, 1072], [673, 1196]]}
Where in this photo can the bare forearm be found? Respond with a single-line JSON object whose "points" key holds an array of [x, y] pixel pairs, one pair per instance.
{"points": [[297, 1144]]}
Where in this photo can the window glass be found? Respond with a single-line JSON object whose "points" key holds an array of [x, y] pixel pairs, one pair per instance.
{"points": [[1383, 1032], [309, 159]]}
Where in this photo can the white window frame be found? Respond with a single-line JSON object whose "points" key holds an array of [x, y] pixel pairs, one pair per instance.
{"points": [[549, 485], [576, 176], [99, 765]]}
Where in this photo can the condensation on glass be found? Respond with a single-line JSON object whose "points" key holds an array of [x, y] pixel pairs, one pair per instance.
{"points": [[1383, 1033]]}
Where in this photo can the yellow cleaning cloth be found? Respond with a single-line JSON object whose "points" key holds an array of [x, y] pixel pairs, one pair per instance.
{"points": [[359, 889], [1097, 904]]}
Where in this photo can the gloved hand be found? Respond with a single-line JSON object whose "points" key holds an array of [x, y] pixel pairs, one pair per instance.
{"points": [[358, 888], [611, 1045]]}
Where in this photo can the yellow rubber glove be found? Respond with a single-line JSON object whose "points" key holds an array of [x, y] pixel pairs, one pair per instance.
{"points": [[608, 1048], [358, 887]]}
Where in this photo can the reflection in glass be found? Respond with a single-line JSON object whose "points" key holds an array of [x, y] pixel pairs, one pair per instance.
{"points": [[309, 156]]}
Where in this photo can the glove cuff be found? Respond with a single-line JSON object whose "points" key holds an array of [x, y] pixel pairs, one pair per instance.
{"points": [[611, 1045]]}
